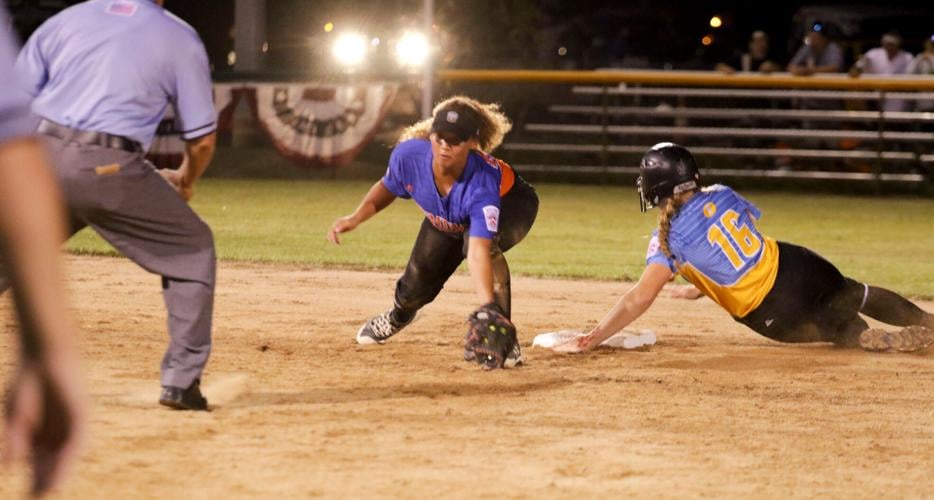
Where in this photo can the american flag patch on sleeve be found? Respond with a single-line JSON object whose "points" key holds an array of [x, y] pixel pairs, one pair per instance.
{"points": [[119, 8]]}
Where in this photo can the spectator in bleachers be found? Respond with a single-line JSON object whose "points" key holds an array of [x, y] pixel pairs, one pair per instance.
{"points": [[755, 58], [923, 63], [818, 54], [889, 59]]}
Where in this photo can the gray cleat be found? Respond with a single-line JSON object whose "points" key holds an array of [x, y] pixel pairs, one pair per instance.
{"points": [[909, 339], [379, 328]]}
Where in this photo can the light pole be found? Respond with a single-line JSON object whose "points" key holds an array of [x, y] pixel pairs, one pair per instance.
{"points": [[427, 76], [250, 34]]}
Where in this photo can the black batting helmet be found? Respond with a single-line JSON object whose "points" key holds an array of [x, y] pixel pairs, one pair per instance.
{"points": [[667, 169]]}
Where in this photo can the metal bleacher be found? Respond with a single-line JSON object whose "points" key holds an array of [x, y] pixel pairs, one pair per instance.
{"points": [[767, 126]]}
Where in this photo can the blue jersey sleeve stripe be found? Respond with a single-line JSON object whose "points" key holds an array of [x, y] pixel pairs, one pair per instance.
{"points": [[663, 260], [200, 129]]}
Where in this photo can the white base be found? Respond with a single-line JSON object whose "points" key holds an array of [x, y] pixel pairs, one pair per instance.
{"points": [[566, 340]]}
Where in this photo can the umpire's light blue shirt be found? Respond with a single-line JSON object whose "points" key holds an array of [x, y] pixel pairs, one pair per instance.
{"points": [[15, 119], [114, 65]]}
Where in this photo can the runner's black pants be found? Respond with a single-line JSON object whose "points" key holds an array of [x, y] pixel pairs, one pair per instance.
{"points": [[812, 301]]}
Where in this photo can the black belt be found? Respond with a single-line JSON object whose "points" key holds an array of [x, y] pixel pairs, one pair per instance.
{"points": [[88, 137]]}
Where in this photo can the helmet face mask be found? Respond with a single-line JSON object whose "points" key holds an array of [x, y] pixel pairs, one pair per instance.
{"points": [[666, 170], [644, 204]]}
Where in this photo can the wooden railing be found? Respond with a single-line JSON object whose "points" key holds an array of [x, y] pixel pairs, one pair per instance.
{"points": [[691, 78]]}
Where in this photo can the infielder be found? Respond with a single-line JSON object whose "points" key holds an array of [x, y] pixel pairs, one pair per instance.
{"points": [[45, 418], [782, 291], [102, 73], [475, 206]]}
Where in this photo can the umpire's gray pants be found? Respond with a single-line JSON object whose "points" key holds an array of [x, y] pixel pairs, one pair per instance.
{"points": [[124, 199]]}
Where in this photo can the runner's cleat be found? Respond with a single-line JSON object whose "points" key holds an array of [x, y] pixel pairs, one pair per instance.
{"points": [[909, 339]]}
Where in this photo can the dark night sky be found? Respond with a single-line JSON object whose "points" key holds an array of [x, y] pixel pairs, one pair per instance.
{"points": [[527, 33], [662, 30]]}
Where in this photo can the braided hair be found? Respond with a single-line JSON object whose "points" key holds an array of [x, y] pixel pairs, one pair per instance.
{"points": [[668, 211]]}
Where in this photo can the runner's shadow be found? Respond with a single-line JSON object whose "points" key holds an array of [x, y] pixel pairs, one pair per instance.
{"points": [[338, 395]]}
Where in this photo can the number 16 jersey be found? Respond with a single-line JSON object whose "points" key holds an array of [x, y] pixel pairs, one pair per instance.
{"points": [[715, 245]]}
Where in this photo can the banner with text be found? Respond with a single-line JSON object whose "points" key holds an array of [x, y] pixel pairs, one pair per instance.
{"points": [[312, 124]]}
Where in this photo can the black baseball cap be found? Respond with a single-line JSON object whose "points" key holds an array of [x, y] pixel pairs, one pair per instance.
{"points": [[459, 122]]}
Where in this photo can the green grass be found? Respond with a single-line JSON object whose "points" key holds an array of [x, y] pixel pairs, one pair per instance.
{"points": [[581, 231]]}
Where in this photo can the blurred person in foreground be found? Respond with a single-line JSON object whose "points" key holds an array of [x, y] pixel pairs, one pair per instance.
{"points": [[103, 74], [45, 418], [755, 58], [887, 60], [818, 54]]}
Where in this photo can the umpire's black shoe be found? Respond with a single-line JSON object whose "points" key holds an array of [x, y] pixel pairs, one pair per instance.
{"points": [[183, 399]]}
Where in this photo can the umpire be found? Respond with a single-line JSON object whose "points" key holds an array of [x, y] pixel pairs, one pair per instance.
{"points": [[102, 73]]}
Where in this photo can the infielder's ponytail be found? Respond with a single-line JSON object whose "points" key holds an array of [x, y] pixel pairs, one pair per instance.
{"points": [[493, 123], [669, 209]]}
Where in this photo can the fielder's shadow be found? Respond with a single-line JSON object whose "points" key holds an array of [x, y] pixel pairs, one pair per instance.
{"points": [[339, 395]]}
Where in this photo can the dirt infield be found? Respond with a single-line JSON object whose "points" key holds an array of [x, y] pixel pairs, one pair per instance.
{"points": [[300, 410]]}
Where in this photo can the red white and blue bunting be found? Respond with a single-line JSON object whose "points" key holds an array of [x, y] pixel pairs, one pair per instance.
{"points": [[315, 125]]}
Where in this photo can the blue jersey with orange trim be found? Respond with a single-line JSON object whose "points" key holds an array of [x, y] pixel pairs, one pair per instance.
{"points": [[715, 245], [472, 204]]}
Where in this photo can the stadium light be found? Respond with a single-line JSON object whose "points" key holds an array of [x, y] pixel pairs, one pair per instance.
{"points": [[350, 49], [412, 49]]}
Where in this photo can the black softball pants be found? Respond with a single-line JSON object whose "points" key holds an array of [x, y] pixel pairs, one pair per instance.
{"points": [[811, 301], [437, 254]]}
